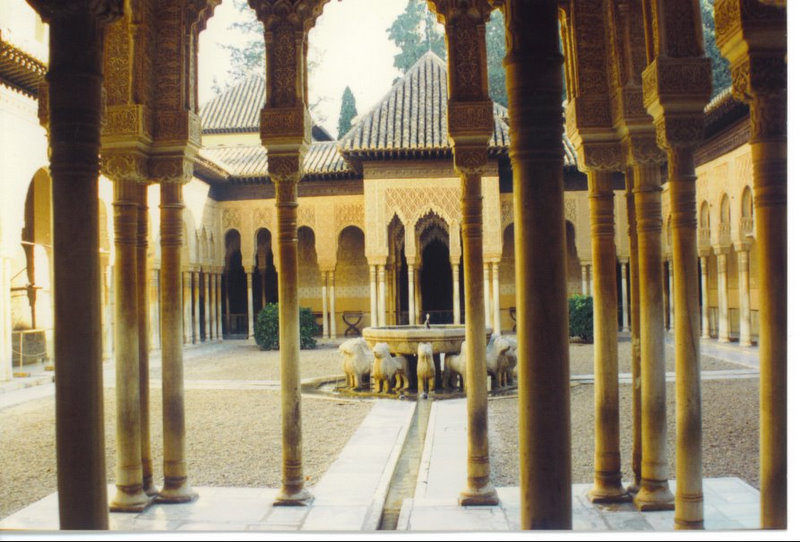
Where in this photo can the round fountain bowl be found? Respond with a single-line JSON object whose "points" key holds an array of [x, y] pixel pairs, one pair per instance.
{"points": [[444, 338]]}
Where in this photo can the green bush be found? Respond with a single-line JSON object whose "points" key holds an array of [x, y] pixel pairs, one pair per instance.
{"points": [[266, 332], [581, 314]]}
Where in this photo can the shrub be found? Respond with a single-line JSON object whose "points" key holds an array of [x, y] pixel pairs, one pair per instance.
{"points": [[581, 314], [266, 332]]}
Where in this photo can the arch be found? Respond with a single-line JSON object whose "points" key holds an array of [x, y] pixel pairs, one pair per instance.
{"points": [[507, 277], [573, 262], [234, 287], [705, 215], [265, 275], [430, 227], [724, 209], [435, 276], [352, 272], [397, 271], [309, 275]]}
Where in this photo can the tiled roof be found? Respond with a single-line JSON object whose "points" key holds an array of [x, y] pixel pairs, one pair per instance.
{"points": [[248, 163], [411, 119], [19, 69]]}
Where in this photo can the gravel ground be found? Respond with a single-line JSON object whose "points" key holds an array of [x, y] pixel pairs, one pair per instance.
{"points": [[233, 436], [730, 432]]}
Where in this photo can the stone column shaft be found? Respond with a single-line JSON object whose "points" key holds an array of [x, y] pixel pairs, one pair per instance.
{"points": [[129, 495], [636, 355], [196, 307], [331, 281], [671, 293], [219, 305], [75, 83], [417, 296], [292, 490], [155, 326], [325, 332], [722, 295], [373, 295], [176, 482], [654, 493], [607, 471], [624, 294], [207, 304], [496, 296], [487, 292], [412, 311], [250, 315], [743, 261], [456, 296], [585, 279], [381, 295], [143, 293], [689, 442], [704, 321], [187, 307], [533, 70]]}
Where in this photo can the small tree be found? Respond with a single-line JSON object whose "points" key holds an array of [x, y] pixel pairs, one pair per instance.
{"points": [[348, 111], [267, 334], [581, 313]]}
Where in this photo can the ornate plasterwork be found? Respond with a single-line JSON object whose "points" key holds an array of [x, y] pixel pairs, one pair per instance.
{"points": [[470, 118], [128, 166], [349, 214], [231, 219], [169, 169], [106, 11], [412, 203]]}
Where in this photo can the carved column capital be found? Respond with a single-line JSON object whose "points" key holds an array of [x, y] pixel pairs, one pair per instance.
{"points": [[642, 148], [127, 165], [105, 11], [171, 168], [470, 160]]}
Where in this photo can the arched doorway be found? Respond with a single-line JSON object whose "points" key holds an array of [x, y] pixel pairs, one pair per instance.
{"points": [[265, 276], [352, 279], [435, 275], [234, 286], [398, 272]]}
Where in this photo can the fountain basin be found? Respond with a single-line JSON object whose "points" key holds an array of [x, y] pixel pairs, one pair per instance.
{"points": [[445, 338]]}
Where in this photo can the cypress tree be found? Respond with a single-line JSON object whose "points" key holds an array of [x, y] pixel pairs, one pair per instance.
{"points": [[347, 112]]}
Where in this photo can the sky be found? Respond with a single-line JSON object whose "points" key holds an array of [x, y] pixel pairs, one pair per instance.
{"points": [[349, 40]]}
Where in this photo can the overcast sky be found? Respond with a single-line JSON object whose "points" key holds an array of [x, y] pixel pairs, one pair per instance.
{"points": [[350, 41]]}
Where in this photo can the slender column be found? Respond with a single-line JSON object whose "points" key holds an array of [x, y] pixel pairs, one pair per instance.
{"points": [[607, 470], [228, 302], [671, 294], [108, 309], [207, 303], [654, 493], [250, 316], [623, 271], [129, 496], [331, 281], [412, 311], [218, 306], [75, 83], [417, 296], [263, 274], [155, 326], [6, 369], [456, 296], [487, 292], [722, 293], [636, 350], [143, 302], [743, 260], [176, 482], [533, 70], [689, 442], [196, 307], [381, 295], [286, 176], [373, 295], [325, 304], [585, 279], [187, 307], [704, 321], [496, 296]]}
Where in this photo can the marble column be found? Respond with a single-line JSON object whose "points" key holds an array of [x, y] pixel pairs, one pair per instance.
{"points": [[418, 318], [456, 295], [743, 261], [704, 320], [487, 292], [75, 103], [533, 70], [496, 296], [623, 271], [671, 295], [155, 325], [187, 307], [250, 316], [607, 472], [207, 304], [325, 330], [108, 310], [654, 493], [585, 279], [143, 302], [636, 351], [722, 294], [331, 282], [219, 305], [129, 496], [381, 295], [373, 295], [195, 307], [176, 481], [412, 311]]}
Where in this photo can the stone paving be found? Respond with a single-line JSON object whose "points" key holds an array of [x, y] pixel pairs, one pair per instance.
{"points": [[349, 497]]}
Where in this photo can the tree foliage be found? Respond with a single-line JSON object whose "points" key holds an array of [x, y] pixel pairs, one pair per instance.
{"points": [[581, 317], [415, 32], [348, 111], [720, 67], [266, 331]]}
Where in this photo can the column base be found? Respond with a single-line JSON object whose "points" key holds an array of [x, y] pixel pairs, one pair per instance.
{"points": [[724, 339], [176, 491], [130, 500], [484, 496], [608, 492], [148, 487], [301, 497], [634, 487], [745, 343], [689, 525], [654, 496]]}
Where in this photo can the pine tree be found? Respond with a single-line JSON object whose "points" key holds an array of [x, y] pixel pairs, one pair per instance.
{"points": [[250, 58], [495, 52], [720, 67], [348, 111]]}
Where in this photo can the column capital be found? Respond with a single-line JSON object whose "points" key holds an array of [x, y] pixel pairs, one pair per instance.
{"points": [[127, 165], [298, 15], [721, 250], [172, 168], [743, 245], [106, 11]]}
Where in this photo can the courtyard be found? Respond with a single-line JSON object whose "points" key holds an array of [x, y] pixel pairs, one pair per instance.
{"points": [[233, 439]]}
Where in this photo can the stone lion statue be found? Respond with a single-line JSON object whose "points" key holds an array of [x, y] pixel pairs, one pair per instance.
{"points": [[388, 370], [426, 370], [455, 367], [356, 362]]}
